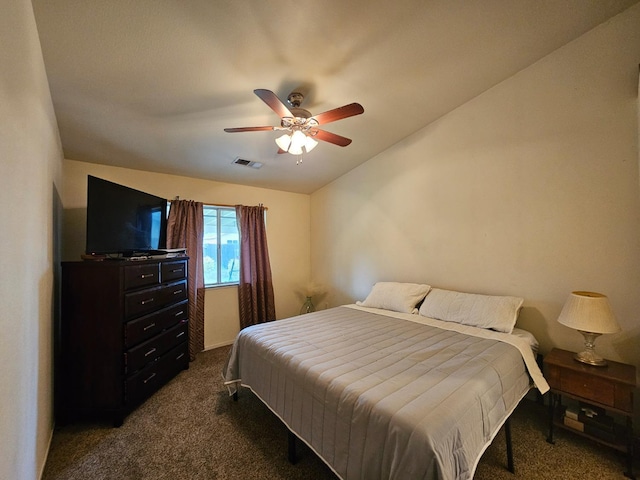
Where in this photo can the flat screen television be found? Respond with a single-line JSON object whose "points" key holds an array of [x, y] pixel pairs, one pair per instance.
{"points": [[123, 221]]}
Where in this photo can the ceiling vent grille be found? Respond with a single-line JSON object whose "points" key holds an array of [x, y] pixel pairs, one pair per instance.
{"points": [[247, 163]]}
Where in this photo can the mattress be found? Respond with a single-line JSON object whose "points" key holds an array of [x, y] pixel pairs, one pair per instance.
{"points": [[384, 395]]}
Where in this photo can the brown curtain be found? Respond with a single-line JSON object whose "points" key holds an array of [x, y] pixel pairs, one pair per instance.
{"points": [[185, 229], [255, 291]]}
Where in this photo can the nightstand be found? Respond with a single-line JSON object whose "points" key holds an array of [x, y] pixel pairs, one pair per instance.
{"points": [[608, 389]]}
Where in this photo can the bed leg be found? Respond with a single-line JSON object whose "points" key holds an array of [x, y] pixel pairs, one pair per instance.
{"points": [[291, 439], [507, 433]]}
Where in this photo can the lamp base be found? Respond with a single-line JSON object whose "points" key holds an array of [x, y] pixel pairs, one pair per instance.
{"points": [[589, 355], [590, 359]]}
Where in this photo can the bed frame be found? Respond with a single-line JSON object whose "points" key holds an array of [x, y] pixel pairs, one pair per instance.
{"points": [[292, 454]]}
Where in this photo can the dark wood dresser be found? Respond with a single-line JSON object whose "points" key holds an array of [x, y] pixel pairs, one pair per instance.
{"points": [[123, 334]]}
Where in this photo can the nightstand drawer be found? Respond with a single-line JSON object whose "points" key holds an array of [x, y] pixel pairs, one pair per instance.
{"points": [[610, 386], [588, 386]]}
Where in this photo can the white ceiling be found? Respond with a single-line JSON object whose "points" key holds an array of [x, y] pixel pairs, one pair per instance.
{"points": [[150, 84]]}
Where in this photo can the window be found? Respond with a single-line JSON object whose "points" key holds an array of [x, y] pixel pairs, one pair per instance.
{"points": [[221, 249]]}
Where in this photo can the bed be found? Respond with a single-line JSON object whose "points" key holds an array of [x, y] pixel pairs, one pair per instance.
{"points": [[384, 389]]}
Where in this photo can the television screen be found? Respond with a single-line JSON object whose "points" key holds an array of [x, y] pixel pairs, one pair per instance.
{"points": [[121, 220]]}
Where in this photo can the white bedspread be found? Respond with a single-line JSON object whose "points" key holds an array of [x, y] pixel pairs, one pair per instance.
{"points": [[379, 395]]}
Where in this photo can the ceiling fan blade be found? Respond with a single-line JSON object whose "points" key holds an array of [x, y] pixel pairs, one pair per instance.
{"points": [[339, 113], [281, 151], [247, 129], [332, 138], [271, 99]]}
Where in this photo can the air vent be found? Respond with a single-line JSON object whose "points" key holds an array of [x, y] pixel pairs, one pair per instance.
{"points": [[247, 163]]}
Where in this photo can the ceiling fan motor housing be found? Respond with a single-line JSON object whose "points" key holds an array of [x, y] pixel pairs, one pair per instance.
{"points": [[295, 99], [300, 120]]}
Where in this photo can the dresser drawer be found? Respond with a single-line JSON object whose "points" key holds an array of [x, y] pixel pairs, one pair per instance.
{"points": [[143, 328], [174, 292], [137, 276], [174, 270], [151, 299], [139, 386], [152, 349]]}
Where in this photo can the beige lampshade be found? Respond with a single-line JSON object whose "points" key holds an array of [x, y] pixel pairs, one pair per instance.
{"points": [[589, 312]]}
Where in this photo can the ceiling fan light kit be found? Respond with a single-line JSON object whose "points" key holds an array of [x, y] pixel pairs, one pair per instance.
{"points": [[300, 126], [295, 142]]}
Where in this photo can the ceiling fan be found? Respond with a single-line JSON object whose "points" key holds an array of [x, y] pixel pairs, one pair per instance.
{"points": [[300, 127]]}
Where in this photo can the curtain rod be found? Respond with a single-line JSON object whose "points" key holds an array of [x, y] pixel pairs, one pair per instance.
{"points": [[225, 204]]}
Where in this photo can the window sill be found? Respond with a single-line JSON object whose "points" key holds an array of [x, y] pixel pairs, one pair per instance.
{"points": [[220, 285]]}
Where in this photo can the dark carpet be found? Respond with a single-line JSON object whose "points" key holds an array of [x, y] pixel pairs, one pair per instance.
{"points": [[191, 429]]}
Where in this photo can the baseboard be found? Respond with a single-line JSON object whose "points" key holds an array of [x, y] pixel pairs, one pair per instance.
{"points": [[46, 456], [217, 345]]}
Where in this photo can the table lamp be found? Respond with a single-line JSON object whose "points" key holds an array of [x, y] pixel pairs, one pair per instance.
{"points": [[591, 314]]}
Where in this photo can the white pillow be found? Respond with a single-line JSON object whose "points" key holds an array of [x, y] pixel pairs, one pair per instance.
{"points": [[485, 311], [395, 296]]}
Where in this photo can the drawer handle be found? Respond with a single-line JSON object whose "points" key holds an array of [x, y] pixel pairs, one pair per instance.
{"points": [[147, 275], [149, 300], [179, 313], [178, 291], [176, 270], [179, 335], [149, 326], [180, 356], [150, 352], [150, 377]]}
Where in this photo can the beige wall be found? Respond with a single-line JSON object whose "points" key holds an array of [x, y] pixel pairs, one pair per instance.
{"points": [[288, 233], [30, 159], [530, 189]]}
